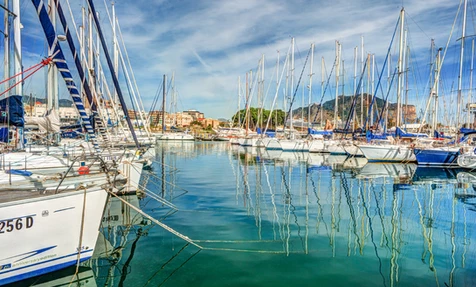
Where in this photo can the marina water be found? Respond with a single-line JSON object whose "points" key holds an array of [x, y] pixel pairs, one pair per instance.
{"points": [[270, 218]]}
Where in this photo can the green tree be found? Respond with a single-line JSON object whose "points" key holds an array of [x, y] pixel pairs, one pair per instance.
{"points": [[258, 118]]}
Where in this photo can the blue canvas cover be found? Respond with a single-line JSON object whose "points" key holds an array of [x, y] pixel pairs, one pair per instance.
{"points": [[11, 110]]}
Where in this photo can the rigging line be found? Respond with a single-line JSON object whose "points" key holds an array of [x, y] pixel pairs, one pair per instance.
{"points": [[383, 68], [416, 23], [77, 61], [22, 80], [297, 87], [319, 109], [113, 75]]}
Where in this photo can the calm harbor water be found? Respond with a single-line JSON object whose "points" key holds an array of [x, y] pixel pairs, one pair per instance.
{"points": [[268, 218]]}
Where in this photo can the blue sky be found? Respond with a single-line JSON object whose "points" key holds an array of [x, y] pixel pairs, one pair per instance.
{"points": [[209, 44]]}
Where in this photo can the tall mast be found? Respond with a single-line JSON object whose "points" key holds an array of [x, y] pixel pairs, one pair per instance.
{"points": [[361, 90], [115, 55], [292, 83], [310, 87], [247, 125], [337, 83], [173, 104], [163, 102], [52, 83], [17, 64], [355, 83], [400, 67], [372, 89], [323, 79], [239, 99], [277, 91], [437, 77], [470, 85], [460, 75], [6, 46]]}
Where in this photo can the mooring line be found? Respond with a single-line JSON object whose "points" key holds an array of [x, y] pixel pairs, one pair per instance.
{"points": [[169, 229]]}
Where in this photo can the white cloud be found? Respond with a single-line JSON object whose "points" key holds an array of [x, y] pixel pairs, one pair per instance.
{"points": [[210, 43]]}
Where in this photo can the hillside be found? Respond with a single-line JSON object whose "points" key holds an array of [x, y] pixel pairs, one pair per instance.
{"points": [[345, 103]]}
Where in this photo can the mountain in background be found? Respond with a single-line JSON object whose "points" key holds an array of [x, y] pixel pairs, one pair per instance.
{"points": [[345, 104]]}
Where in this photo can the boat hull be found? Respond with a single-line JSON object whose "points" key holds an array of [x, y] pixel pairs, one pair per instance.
{"points": [[41, 235], [387, 153], [437, 156]]}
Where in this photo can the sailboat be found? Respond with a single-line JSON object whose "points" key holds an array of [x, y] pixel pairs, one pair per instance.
{"points": [[390, 150], [61, 211], [171, 136]]}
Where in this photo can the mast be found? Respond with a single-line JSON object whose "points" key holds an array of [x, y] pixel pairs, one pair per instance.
{"points": [[400, 67], [17, 64], [277, 91], [163, 102], [114, 46], [239, 98], [470, 85], [310, 87], [460, 75], [52, 83], [292, 83], [113, 75], [6, 46], [373, 89], [337, 82], [355, 83], [437, 78], [247, 125], [361, 86], [323, 80]]}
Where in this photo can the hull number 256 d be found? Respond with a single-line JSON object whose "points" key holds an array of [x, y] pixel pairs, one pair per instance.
{"points": [[20, 223]]}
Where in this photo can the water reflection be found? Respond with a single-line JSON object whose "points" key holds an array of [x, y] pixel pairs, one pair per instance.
{"points": [[273, 218]]}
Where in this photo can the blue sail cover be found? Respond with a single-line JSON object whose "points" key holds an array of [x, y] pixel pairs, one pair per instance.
{"points": [[11, 109], [467, 131], [400, 133], [371, 136], [4, 135], [60, 62], [440, 135], [315, 132]]}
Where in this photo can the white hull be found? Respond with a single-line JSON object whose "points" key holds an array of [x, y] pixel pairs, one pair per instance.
{"points": [[334, 147], [294, 145], [274, 144], [467, 160], [388, 153], [317, 145], [352, 150], [175, 137], [44, 234]]}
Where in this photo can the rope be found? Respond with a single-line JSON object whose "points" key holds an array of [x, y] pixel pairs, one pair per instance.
{"points": [[36, 68], [156, 221], [78, 260]]}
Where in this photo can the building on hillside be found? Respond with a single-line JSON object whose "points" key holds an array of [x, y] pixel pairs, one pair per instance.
{"points": [[155, 118], [39, 110], [210, 122], [196, 115]]}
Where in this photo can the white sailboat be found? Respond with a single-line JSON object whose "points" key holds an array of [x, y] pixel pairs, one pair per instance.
{"points": [[389, 150]]}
